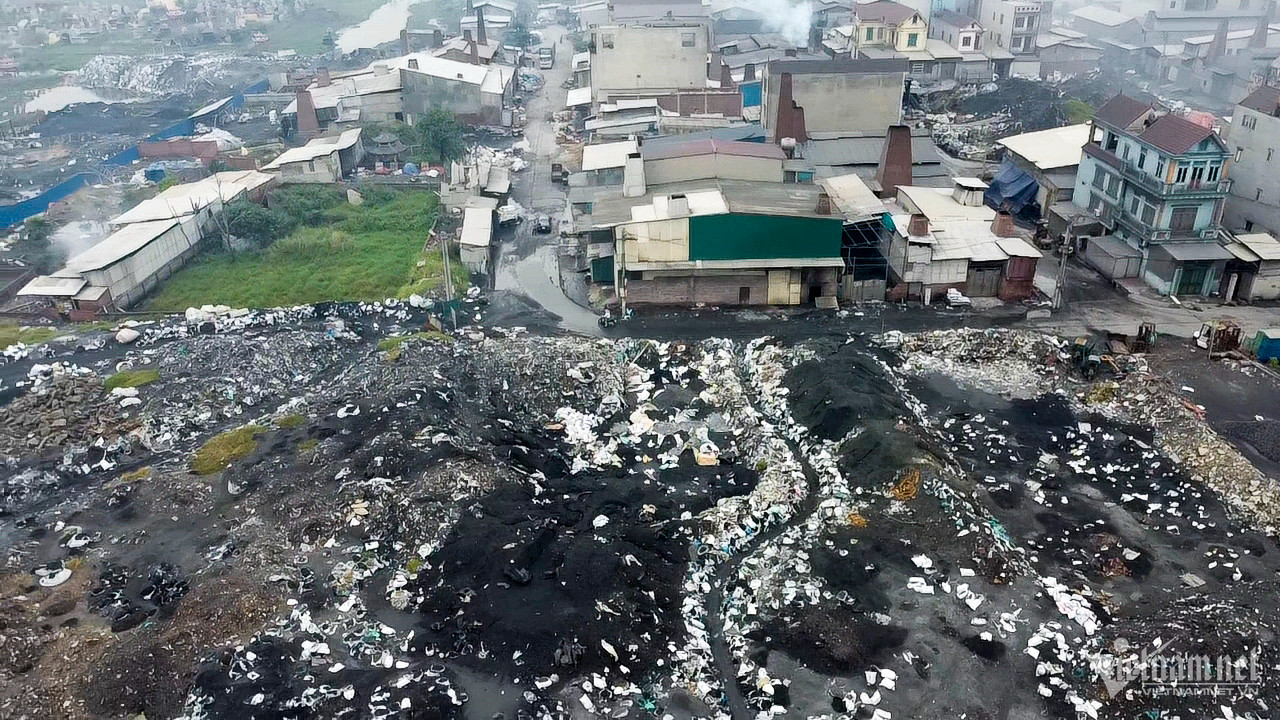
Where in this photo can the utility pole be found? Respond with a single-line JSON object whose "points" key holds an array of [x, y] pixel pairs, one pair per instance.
{"points": [[1064, 248]]}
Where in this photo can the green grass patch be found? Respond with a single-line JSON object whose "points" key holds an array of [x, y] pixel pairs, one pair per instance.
{"points": [[1077, 111], [131, 378], [13, 333], [307, 445], [223, 449], [392, 346], [292, 420], [364, 253]]}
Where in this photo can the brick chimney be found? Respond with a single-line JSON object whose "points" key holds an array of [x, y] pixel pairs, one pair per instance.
{"points": [[790, 52], [308, 123], [1002, 225], [726, 77], [895, 163], [1218, 47], [919, 225], [790, 121], [1259, 39], [749, 72], [824, 203], [323, 79], [437, 38], [413, 63], [475, 53], [466, 35], [481, 37], [404, 41]]}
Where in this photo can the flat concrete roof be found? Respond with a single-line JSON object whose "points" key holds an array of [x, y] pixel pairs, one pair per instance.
{"points": [[1050, 149]]}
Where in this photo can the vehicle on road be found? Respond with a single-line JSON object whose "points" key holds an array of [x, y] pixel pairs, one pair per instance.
{"points": [[546, 57], [542, 224]]}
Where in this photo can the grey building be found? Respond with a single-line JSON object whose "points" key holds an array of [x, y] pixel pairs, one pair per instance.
{"points": [[805, 99], [1254, 139]]}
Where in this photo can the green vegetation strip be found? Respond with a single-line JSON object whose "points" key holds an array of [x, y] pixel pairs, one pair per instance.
{"points": [[221, 450], [339, 252], [131, 378], [12, 334]]}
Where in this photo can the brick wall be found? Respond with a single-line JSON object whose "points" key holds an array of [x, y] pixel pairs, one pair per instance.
{"points": [[689, 290]]}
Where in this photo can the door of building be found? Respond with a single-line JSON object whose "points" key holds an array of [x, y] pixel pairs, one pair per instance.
{"points": [[1192, 280], [984, 280]]}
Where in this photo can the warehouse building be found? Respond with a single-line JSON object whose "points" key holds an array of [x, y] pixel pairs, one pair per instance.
{"points": [[322, 160]]}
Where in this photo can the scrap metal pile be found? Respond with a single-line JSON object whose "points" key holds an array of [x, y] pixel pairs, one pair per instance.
{"points": [[323, 512]]}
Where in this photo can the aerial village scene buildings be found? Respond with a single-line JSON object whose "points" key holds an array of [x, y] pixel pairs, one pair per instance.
{"points": [[676, 359]]}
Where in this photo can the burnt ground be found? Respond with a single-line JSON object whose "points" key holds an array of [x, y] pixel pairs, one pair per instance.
{"points": [[507, 523]]}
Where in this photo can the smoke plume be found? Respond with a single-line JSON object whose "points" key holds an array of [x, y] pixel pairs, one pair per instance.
{"points": [[789, 19]]}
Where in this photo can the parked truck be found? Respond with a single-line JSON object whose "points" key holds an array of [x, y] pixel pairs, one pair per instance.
{"points": [[546, 57]]}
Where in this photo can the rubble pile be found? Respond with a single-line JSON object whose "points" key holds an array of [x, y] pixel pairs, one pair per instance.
{"points": [[492, 522], [62, 409], [160, 75]]}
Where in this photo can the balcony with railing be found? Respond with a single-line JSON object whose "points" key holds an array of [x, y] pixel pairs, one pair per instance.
{"points": [[1217, 188], [1151, 233]]}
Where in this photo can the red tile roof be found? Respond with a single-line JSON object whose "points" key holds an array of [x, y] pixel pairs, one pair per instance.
{"points": [[1121, 111], [1174, 135], [885, 11], [1265, 100]]}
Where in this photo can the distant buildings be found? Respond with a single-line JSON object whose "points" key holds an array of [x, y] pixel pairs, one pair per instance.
{"points": [[648, 60], [1159, 182], [1254, 140], [322, 160]]}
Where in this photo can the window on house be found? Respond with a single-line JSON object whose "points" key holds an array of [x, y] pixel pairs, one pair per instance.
{"points": [[1270, 153], [871, 33], [1125, 152], [606, 40], [1001, 18], [1197, 174], [1149, 214], [880, 33], [1239, 154], [1249, 122], [917, 68], [1183, 219], [311, 166], [966, 41], [912, 39], [1160, 169], [1113, 186], [1134, 205], [1099, 178], [1248, 225], [1181, 176], [1257, 195], [687, 39], [1214, 172], [1112, 142], [1142, 159], [1019, 22]]}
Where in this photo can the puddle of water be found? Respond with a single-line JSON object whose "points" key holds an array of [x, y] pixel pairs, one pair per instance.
{"points": [[382, 26], [63, 96]]}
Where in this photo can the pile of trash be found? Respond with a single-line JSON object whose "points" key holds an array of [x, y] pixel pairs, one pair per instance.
{"points": [[161, 75], [491, 522]]}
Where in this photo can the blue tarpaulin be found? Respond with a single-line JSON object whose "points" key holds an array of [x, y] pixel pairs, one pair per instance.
{"points": [[1014, 190]]}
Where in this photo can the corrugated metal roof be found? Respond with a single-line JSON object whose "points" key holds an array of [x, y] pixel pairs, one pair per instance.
{"points": [[1050, 149], [1203, 250], [317, 148], [850, 194], [120, 245], [607, 155], [578, 96], [1261, 244], [189, 198], [49, 286], [1101, 15], [710, 146], [865, 151], [477, 227]]}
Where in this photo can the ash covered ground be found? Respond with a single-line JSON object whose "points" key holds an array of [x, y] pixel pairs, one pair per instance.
{"points": [[295, 518]]}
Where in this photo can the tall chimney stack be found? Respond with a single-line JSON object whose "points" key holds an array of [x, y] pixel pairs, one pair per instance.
{"points": [[895, 163], [749, 72], [633, 182], [323, 78], [1259, 39], [308, 123], [481, 37], [824, 203]]}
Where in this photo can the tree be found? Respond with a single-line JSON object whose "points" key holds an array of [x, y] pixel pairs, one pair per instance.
{"points": [[257, 224], [440, 134], [35, 246], [329, 41]]}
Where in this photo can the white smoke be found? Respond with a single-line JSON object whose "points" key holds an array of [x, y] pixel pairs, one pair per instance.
{"points": [[789, 19]]}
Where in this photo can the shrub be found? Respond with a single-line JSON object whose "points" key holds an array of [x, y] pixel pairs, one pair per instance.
{"points": [[131, 378], [225, 448]]}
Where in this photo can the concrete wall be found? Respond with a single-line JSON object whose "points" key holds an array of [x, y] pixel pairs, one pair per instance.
{"points": [[698, 167], [326, 169], [423, 92], [1255, 196], [648, 59], [840, 102]]}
